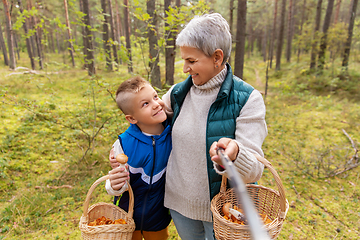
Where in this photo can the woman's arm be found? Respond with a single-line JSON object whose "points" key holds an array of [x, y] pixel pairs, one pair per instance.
{"points": [[250, 134], [166, 99]]}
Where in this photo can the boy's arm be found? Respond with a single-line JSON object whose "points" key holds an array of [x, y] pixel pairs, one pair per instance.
{"points": [[115, 150], [116, 184]]}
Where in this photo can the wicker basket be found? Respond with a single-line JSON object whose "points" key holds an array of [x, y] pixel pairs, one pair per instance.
{"points": [[267, 201], [109, 210]]}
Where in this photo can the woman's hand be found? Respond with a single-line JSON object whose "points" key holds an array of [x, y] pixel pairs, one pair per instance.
{"points": [[118, 177], [114, 164], [230, 146]]}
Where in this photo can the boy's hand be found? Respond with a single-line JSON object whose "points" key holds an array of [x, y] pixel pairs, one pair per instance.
{"points": [[230, 146], [118, 177], [112, 159]]}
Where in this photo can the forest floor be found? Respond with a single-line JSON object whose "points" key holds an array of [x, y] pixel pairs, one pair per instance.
{"points": [[57, 127]]}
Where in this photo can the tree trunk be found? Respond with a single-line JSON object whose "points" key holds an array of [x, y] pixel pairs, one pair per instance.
{"points": [[301, 28], [250, 37], [112, 34], [240, 38], [57, 40], [273, 38], [71, 47], [119, 29], [170, 47], [231, 21], [315, 36], [3, 47], [281, 35], [16, 46], [83, 32], [290, 31], [106, 36], [10, 37], [336, 18], [52, 40], [352, 14], [326, 26], [264, 40], [28, 43], [37, 37], [127, 34], [153, 46], [90, 59]]}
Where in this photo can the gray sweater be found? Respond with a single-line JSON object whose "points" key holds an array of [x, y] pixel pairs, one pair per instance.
{"points": [[187, 187]]}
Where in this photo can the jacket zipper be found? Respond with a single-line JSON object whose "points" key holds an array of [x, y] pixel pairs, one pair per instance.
{"points": [[150, 185]]}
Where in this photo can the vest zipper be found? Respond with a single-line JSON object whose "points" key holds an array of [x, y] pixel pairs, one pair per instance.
{"points": [[150, 185]]}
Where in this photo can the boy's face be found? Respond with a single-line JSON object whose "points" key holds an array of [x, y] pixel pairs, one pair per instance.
{"points": [[147, 109]]}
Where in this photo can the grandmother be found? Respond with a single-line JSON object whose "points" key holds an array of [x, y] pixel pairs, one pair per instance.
{"points": [[212, 108]]}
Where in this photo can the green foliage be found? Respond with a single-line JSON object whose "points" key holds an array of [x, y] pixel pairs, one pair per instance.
{"points": [[336, 38], [335, 81]]}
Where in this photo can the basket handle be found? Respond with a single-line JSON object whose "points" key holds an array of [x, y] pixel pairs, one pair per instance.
{"points": [[280, 186], [95, 184]]}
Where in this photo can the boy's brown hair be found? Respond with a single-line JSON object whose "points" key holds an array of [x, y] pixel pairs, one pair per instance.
{"points": [[126, 90]]}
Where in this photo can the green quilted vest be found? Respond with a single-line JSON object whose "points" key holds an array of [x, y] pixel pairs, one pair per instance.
{"points": [[222, 115]]}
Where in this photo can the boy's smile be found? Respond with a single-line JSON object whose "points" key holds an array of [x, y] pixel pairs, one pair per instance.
{"points": [[147, 111]]}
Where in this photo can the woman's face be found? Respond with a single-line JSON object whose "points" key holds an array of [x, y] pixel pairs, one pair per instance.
{"points": [[201, 67]]}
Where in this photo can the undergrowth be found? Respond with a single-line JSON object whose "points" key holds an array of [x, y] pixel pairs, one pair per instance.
{"points": [[57, 130]]}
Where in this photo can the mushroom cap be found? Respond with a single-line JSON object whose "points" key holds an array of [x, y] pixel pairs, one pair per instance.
{"points": [[121, 158], [226, 209]]}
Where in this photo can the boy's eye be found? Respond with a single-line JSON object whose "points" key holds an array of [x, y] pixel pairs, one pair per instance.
{"points": [[145, 103]]}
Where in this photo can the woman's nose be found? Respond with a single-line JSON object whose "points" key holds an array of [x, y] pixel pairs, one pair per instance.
{"points": [[186, 68]]}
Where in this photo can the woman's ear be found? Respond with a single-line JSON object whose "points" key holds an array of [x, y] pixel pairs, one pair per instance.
{"points": [[218, 57], [130, 119]]}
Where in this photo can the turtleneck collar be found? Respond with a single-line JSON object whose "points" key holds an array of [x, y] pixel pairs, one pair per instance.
{"points": [[213, 83]]}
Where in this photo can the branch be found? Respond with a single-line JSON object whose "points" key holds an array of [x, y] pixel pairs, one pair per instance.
{"points": [[352, 143], [352, 163]]}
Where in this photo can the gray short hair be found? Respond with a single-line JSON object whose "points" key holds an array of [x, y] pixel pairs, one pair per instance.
{"points": [[207, 33]]}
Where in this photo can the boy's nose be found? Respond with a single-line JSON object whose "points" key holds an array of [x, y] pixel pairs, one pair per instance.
{"points": [[156, 104]]}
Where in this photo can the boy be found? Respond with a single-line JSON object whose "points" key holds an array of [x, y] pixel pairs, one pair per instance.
{"points": [[147, 143]]}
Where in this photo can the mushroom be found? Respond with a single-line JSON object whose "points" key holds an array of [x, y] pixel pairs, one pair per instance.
{"points": [[226, 207], [232, 214], [122, 159]]}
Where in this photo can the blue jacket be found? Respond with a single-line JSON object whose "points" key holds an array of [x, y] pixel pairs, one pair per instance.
{"points": [[147, 160], [221, 121]]}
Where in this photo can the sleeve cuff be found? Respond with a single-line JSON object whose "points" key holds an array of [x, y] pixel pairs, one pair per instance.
{"points": [[113, 192]]}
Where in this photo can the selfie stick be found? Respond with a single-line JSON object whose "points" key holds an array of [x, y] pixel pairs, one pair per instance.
{"points": [[257, 229]]}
